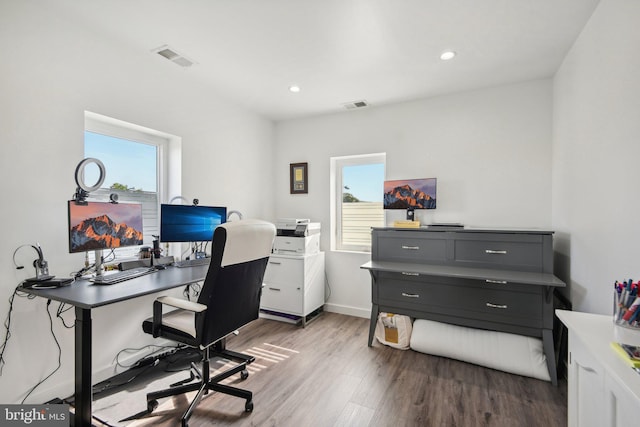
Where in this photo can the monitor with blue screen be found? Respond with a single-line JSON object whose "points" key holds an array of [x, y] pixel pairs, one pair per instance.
{"points": [[182, 223]]}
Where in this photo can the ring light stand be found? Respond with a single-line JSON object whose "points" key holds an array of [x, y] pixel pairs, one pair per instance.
{"points": [[82, 192]]}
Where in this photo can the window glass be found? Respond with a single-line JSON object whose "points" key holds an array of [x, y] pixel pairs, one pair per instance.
{"points": [[130, 165], [358, 193], [131, 172]]}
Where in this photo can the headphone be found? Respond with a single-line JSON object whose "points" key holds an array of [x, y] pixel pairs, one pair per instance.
{"points": [[38, 263]]}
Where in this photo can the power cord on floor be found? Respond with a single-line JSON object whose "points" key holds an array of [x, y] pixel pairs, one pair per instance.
{"points": [[169, 349]]}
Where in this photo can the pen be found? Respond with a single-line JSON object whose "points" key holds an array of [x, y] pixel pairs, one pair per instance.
{"points": [[633, 307]]}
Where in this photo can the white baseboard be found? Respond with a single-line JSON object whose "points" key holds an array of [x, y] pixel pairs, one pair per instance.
{"points": [[350, 311]]}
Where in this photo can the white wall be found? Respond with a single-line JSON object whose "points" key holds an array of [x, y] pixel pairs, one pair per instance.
{"points": [[52, 72], [490, 150], [596, 152]]}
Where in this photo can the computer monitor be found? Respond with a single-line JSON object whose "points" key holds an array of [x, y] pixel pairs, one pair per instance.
{"points": [[104, 225], [410, 194], [182, 223]]}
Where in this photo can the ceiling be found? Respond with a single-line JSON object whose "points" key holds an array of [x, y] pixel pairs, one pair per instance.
{"points": [[341, 51]]}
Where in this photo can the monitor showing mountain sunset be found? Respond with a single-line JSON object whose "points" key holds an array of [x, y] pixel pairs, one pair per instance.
{"points": [[410, 194], [102, 225]]}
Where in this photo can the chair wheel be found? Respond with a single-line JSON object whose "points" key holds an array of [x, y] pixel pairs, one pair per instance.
{"points": [[152, 405], [244, 374], [248, 407]]}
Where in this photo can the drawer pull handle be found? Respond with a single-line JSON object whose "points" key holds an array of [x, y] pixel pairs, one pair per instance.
{"points": [[502, 306], [411, 248], [404, 294], [274, 263], [587, 368], [406, 273], [495, 252], [274, 289], [498, 282]]}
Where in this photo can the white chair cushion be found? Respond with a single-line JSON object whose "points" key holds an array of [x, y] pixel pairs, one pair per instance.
{"points": [[181, 320], [243, 241]]}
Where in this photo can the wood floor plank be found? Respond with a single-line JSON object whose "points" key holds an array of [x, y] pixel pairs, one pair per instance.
{"points": [[332, 378]]}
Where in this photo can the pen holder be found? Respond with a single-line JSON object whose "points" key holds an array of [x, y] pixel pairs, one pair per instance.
{"points": [[626, 317]]}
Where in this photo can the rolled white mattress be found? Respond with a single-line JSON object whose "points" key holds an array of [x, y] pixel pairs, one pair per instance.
{"points": [[512, 353]]}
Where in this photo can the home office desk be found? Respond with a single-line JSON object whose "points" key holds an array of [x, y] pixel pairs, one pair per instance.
{"points": [[85, 296]]}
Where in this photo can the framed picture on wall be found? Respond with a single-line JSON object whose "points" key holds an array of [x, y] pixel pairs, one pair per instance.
{"points": [[298, 178]]}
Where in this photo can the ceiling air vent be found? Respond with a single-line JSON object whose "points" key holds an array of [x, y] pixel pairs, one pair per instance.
{"points": [[174, 56], [355, 104]]}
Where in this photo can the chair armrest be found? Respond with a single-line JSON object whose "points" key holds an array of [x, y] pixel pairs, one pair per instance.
{"points": [[182, 303], [173, 302]]}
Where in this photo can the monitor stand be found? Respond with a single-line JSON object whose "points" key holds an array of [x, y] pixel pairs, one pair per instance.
{"points": [[98, 258], [410, 214]]}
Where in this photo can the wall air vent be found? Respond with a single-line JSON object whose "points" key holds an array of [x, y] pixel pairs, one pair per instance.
{"points": [[355, 104], [173, 56]]}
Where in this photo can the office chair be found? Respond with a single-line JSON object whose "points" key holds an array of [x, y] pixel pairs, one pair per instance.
{"points": [[229, 299]]}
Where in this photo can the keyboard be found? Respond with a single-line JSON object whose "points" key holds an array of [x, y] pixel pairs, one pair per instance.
{"points": [[192, 262], [121, 276]]}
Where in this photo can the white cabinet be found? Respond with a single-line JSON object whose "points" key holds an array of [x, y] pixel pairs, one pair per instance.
{"points": [[294, 285], [586, 386], [621, 407], [603, 390]]}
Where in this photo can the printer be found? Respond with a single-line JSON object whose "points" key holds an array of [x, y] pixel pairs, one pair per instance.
{"points": [[296, 236]]}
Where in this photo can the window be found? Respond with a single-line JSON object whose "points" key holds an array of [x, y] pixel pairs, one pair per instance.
{"points": [[357, 189], [135, 163]]}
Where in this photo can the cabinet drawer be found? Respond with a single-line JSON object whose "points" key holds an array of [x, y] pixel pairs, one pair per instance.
{"points": [[281, 270], [282, 297], [525, 253], [476, 301], [408, 246]]}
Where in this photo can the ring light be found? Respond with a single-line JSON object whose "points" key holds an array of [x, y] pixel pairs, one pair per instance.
{"points": [[80, 174]]}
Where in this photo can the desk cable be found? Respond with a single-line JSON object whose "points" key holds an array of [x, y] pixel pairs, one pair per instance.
{"points": [[7, 325], [7, 322], [59, 355]]}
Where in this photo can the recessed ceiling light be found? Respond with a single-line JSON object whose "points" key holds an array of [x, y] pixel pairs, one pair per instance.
{"points": [[447, 55], [294, 88]]}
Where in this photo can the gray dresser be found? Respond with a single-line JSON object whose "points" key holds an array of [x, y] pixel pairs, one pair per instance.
{"points": [[498, 280]]}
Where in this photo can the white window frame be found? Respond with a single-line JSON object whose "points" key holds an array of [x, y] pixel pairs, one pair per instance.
{"points": [[168, 161], [336, 167]]}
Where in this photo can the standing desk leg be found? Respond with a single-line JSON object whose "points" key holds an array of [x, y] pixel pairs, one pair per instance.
{"points": [[83, 387]]}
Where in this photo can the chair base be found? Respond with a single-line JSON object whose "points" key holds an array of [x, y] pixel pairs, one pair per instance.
{"points": [[207, 384]]}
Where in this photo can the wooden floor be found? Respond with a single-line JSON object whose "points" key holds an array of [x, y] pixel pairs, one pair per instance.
{"points": [[325, 375]]}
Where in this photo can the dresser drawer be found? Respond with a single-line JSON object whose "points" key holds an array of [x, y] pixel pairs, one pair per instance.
{"points": [[410, 246], [471, 299], [521, 252]]}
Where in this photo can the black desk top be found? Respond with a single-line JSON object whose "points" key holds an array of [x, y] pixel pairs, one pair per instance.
{"points": [[84, 294]]}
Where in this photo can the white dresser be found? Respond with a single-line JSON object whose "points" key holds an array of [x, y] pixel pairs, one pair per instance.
{"points": [[293, 285], [603, 389]]}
